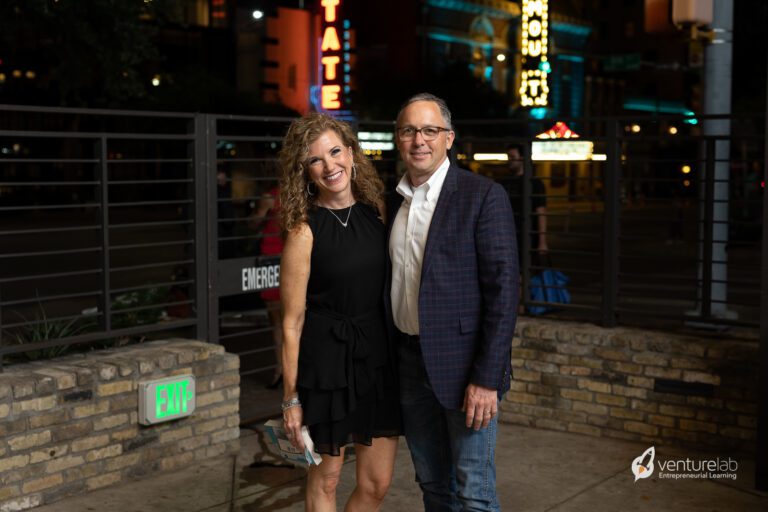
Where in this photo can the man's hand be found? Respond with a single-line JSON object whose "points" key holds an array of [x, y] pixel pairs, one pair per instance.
{"points": [[481, 405]]}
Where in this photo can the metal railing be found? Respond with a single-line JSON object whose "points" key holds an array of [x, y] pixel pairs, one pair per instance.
{"points": [[118, 225], [664, 225], [97, 227]]}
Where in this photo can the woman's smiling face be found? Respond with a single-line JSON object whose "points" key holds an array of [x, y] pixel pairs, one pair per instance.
{"points": [[329, 164]]}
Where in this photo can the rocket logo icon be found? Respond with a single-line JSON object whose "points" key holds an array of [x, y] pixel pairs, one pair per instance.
{"points": [[642, 466]]}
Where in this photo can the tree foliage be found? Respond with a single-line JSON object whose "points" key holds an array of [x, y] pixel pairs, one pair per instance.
{"points": [[83, 52]]}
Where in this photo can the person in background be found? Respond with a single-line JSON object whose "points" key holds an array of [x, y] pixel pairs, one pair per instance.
{"points": [[338, 364], [266, 219], [453, 297]]}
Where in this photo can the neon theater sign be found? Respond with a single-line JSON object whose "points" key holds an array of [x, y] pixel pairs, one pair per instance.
{"points": [[535, 65], [334, 57]]}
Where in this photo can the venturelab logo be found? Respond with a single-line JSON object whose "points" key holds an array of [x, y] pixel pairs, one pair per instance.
{"points": [[642, 466], [676, 469]]}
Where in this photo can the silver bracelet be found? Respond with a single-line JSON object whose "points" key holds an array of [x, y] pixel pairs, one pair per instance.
{"points": [[293, 402]]}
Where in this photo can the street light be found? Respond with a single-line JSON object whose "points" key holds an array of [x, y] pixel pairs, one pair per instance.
{"points": [[257, 14]]}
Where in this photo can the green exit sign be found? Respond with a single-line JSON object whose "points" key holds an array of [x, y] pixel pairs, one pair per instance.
{"points": [[166, 399]]}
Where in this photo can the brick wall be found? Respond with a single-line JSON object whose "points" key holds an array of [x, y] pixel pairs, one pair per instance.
{"points": [[69, 425], [634, 384]]}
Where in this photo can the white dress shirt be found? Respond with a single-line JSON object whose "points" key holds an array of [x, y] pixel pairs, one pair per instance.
{"points": [[406, 245]]}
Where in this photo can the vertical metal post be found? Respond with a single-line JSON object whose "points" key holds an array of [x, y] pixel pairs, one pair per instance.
{"points": [[718, 66], [525, 236], [206, 234], [761, 457], [612, 209], [213, 229], [106, 305], [708, 221], [200, 173], [1, 327]]}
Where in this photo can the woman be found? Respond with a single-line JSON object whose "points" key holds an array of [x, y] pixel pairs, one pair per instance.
{"points": [[337, 363]]}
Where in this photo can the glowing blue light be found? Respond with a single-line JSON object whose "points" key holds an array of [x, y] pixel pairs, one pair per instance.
{"points": [[539, 113], [545, 67], [346, 24]]}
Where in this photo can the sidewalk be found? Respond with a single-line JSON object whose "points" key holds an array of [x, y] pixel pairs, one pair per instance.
{"points": [[537, 471]]}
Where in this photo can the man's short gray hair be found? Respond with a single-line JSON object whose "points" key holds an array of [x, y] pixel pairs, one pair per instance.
{"points": [[425, 96]]}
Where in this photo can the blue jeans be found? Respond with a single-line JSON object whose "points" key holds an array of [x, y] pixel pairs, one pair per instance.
{"points": [[455, 465]]}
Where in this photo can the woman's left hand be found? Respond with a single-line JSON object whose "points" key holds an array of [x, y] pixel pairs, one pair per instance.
{"points": [[292, 419]]}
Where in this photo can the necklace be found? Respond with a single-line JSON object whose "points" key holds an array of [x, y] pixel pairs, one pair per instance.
{"points": [[342, 222]]}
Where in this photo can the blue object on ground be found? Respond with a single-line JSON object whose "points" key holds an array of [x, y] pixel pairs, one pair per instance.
{"points": [[549, 286]]}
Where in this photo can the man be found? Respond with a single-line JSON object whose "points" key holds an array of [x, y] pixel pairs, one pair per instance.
{"points": [[514, 184], [453, 298]]}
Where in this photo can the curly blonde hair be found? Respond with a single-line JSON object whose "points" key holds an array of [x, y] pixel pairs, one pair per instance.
{"points": [[295, 203]]}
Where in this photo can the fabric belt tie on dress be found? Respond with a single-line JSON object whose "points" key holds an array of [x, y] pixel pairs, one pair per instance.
{"points": [[359, 368]]}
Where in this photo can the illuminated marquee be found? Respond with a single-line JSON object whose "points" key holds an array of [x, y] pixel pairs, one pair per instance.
{"points": [[534, 47], [334, 56]]}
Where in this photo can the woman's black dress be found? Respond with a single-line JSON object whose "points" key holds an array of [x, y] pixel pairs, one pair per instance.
{"points": [[346, 380]]}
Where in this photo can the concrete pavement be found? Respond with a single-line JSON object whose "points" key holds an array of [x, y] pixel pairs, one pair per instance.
{"points": [[538, 470]]}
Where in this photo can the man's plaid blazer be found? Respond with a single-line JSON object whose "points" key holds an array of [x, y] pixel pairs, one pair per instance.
{"points": [[469, 287]]}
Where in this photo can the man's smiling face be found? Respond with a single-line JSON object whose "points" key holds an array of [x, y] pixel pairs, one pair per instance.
{"points": [[423, 157]]}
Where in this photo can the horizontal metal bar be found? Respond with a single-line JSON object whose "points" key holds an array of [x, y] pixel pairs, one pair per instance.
{"points": [[259, 119], [246, 160], [96, 111], [102, 335], [49, 160], [151, 265], [149, 182], [152, 244], [570, 235], [49, 320], [48, 207], [150, 286], [564, 251], [48, 183], [151, 224], [50, 276], [245, 333], [51, 298], [36, 134], [645, 278], [50, 230], [116, 312], [557, 305], [244, 237], [249, 138], [152, 203], [240, 199], [149, 160], [50, 253], [565, 269]]}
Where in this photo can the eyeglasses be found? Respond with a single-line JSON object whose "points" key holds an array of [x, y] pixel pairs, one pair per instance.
{"points": [[428, 132]]}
